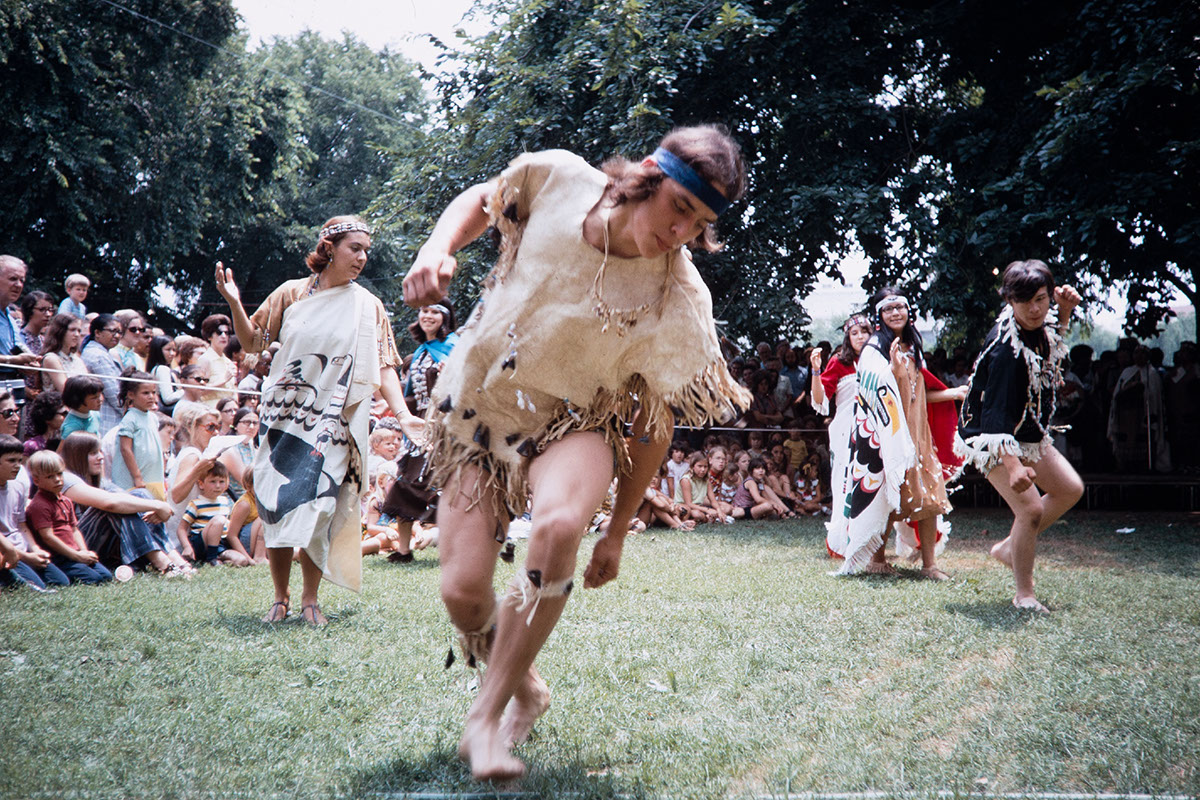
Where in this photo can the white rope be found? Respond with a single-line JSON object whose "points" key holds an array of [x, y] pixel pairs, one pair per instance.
{"points": [[203, 387]]}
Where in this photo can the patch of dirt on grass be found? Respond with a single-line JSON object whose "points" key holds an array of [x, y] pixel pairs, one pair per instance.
{"points": [[1071, 553]]}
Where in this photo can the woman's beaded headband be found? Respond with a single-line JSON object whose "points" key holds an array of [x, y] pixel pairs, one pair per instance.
{"points": [[343, 227], [856, 319], [889, 300], [678, 170], [441, 309]]}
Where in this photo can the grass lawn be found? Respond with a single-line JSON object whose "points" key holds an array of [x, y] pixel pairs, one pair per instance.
{"points": [[722, 663]]}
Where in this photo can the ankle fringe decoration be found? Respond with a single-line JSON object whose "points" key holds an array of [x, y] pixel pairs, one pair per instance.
{"points": [[476, 645], [528, 589]]}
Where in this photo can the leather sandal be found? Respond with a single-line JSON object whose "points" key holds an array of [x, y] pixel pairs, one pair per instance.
{"points": [[270, 617]]}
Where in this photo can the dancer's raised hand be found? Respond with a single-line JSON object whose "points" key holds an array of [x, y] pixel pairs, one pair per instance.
{"points": [[226, 285]]}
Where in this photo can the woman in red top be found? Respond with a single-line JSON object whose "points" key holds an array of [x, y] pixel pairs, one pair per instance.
{"points": [[839, 381]]}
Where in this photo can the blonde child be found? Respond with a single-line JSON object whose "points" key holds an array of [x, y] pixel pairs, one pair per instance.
{"points": [[206, 519], [141, 464], [379, 531], [51, 517], [384, 443], [77, 291], [245, 513]]}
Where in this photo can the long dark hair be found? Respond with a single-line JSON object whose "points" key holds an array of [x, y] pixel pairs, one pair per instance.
{"points": [[448, 323], [156, 357], [881, 340], [845, 353]]}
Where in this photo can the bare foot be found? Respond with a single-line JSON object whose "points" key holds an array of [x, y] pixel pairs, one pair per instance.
{"points": [[1029, 604], [934, 574], [277, 612], [879, 568], [312, 615], [529, 701], [1002, 552], [482, 746]]}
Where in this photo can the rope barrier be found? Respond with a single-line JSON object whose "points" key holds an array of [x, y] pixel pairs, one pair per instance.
{"points": [[204, 387]]}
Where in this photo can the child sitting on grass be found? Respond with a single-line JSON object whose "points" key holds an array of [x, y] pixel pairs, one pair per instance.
{"points": [[756, 497], [21, 560], [206, 519], [808, 487], [731, 481], [691, 491], [245, 515], [379, 532], [82, 395], [51, 515], [657, 506]]}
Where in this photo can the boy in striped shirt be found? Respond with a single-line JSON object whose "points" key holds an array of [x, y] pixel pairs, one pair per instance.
{"points": [[207, 517]]}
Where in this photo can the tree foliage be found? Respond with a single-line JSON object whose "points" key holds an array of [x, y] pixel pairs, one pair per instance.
{"points": [[944, 140], [138, 155]]}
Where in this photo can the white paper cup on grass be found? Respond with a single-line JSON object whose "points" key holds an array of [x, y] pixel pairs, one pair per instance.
{"points": [[123, 573]]}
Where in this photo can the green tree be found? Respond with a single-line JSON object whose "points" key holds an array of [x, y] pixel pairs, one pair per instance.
{"points": [[95, 155], [337, 117], [944, 140]]}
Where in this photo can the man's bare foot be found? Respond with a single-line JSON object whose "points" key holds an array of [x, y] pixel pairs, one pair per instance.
{"points": [[483, 747], [1029, 604], [529, 701], [934, 574], [1002, 552]]}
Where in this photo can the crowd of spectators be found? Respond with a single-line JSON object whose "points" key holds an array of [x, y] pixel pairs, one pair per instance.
{"points": [[148, 438]]}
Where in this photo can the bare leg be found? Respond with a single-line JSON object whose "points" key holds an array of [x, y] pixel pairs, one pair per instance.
{"points": [[927, 532], [308, 591], [1032, 514], [468, 550], [280, 560], [568, 481]]}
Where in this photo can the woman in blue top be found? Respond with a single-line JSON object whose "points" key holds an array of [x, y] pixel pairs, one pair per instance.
{"points": [[411, 498]]}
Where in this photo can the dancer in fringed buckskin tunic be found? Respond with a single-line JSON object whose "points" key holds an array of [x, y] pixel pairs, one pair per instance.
{"points": [[1004, 427], [593, 317]]}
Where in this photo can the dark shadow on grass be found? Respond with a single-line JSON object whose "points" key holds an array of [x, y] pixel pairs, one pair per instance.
{"points": [[994, 614], [252, 625], [440, 772]]}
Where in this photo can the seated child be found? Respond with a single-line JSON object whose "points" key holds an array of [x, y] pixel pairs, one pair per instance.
{"points": [[379, 531], [82, 395], [779, 483], [731, 479], [808, 487], [657, 506], [244, 519], [756, 497], [755, 449], [603, 515], [677, 468], [21, 560], [691, 491], [206, 519], [51, 515]]}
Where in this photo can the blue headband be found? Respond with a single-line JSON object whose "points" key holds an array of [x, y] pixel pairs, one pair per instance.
{"points": [[678, 170]]}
